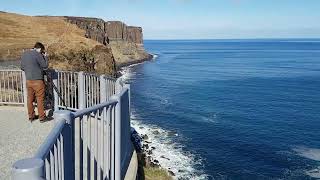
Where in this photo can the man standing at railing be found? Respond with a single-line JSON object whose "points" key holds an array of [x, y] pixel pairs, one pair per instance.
{"points": [[33, 63]]}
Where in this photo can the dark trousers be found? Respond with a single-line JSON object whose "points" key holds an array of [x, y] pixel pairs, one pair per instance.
{"points": [[36, 90]]}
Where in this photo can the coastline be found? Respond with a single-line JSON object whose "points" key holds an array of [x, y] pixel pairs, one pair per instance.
{"points": [[160, 150], [135, 61], [148, 167]]}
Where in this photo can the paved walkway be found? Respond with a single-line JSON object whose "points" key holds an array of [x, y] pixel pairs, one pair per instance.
{"points": [[18, 137]]}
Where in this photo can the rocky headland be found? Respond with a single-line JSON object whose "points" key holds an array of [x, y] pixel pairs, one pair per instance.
{"points": [[73, 43]]}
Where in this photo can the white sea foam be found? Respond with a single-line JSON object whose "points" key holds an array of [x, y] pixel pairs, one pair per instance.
{"points": [[170, 154], [310, 153], [154, 56], [315, 173]]}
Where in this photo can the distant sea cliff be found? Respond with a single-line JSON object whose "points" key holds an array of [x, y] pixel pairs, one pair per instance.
{"points": [[73, 43]]}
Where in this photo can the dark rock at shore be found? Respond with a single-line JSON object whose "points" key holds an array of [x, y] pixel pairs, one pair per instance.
{"points": [[163, 157], [149, 152], [156, 132], [153, 148], [155, 165], [145, 137], [145, 146], [171, 173], [141, 127], [181, 171]]}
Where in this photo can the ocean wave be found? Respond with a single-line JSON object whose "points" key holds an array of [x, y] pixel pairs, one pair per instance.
{"points": [[309, 153], [170, 154], [154, 56]]}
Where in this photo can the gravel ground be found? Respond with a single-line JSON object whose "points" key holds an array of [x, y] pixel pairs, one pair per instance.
{"points": [[18, 137]]}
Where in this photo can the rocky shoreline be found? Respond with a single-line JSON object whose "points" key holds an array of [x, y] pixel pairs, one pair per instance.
{"points": [[146, 155], [144, 149], [134, 61]]}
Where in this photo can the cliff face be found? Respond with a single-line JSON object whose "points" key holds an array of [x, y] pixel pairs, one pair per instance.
{"points": [[73, 43], [66, 44], [125, 41], [101, 31]]}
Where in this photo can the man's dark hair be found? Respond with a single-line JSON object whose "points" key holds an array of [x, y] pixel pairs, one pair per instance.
{"points": [[39, 45]]}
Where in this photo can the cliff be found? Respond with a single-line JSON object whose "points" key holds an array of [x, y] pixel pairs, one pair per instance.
{"points": [[125, 41], [73, 43]]}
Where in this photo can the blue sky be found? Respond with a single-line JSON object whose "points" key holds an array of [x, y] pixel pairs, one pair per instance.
{"points": [[191, 19]]}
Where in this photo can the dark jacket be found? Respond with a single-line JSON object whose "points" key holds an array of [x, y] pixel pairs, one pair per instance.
{"points": [[33, 64]]}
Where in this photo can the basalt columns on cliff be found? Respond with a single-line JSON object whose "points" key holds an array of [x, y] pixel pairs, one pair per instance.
{"points": [[104, 32]]}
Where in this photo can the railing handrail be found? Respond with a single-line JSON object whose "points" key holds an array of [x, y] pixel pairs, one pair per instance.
{"points": [[44, 148], [88, 110], [11, 70]]}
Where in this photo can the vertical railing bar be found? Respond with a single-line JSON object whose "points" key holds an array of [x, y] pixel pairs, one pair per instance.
{"points": [[67, 89], [72, 91], [62, 156], [101, 167], [47, 168], [91, 94], [96, 135], [17, 87], [59, 159], [21, 85], [55, 153], [88, 91], [89, 147], [52, 165], [14, 80], [12, 86], [65, 86], [91, 91], [7, 82], [85, 145], [80, 147], [108, 141], [59, 85], [1, 93]]}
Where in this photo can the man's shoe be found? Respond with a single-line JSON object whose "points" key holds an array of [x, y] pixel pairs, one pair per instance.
{"points": [[46, 119], [33, 118]]}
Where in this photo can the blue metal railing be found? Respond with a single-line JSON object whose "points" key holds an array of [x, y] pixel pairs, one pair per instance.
{"points": [[90, 142]]}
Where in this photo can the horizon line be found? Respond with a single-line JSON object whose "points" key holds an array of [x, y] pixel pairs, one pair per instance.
{"points": [[190, 39]]}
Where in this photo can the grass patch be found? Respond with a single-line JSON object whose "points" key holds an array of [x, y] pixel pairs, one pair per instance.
{"points": [[156, 173]]}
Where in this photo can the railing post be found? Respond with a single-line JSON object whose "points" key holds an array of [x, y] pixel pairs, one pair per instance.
{"points": [[54, 76], [117, 141], [118, 85], [81, 95], [31, 168], [68, 143], [24, 85], [103, 89], [129, 96]]}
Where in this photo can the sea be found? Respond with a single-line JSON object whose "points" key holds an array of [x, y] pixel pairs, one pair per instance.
{"points": [[230, 109]]}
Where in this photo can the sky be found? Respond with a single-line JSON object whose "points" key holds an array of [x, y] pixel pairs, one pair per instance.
{"points": [[191, 19]]}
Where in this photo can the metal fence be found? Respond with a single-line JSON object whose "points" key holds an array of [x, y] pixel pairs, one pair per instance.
{"points": [[78, 90], [92, 141], [11, 87]]}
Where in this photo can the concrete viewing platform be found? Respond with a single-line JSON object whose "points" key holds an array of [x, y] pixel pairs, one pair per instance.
{"points": [[18, 137]]}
